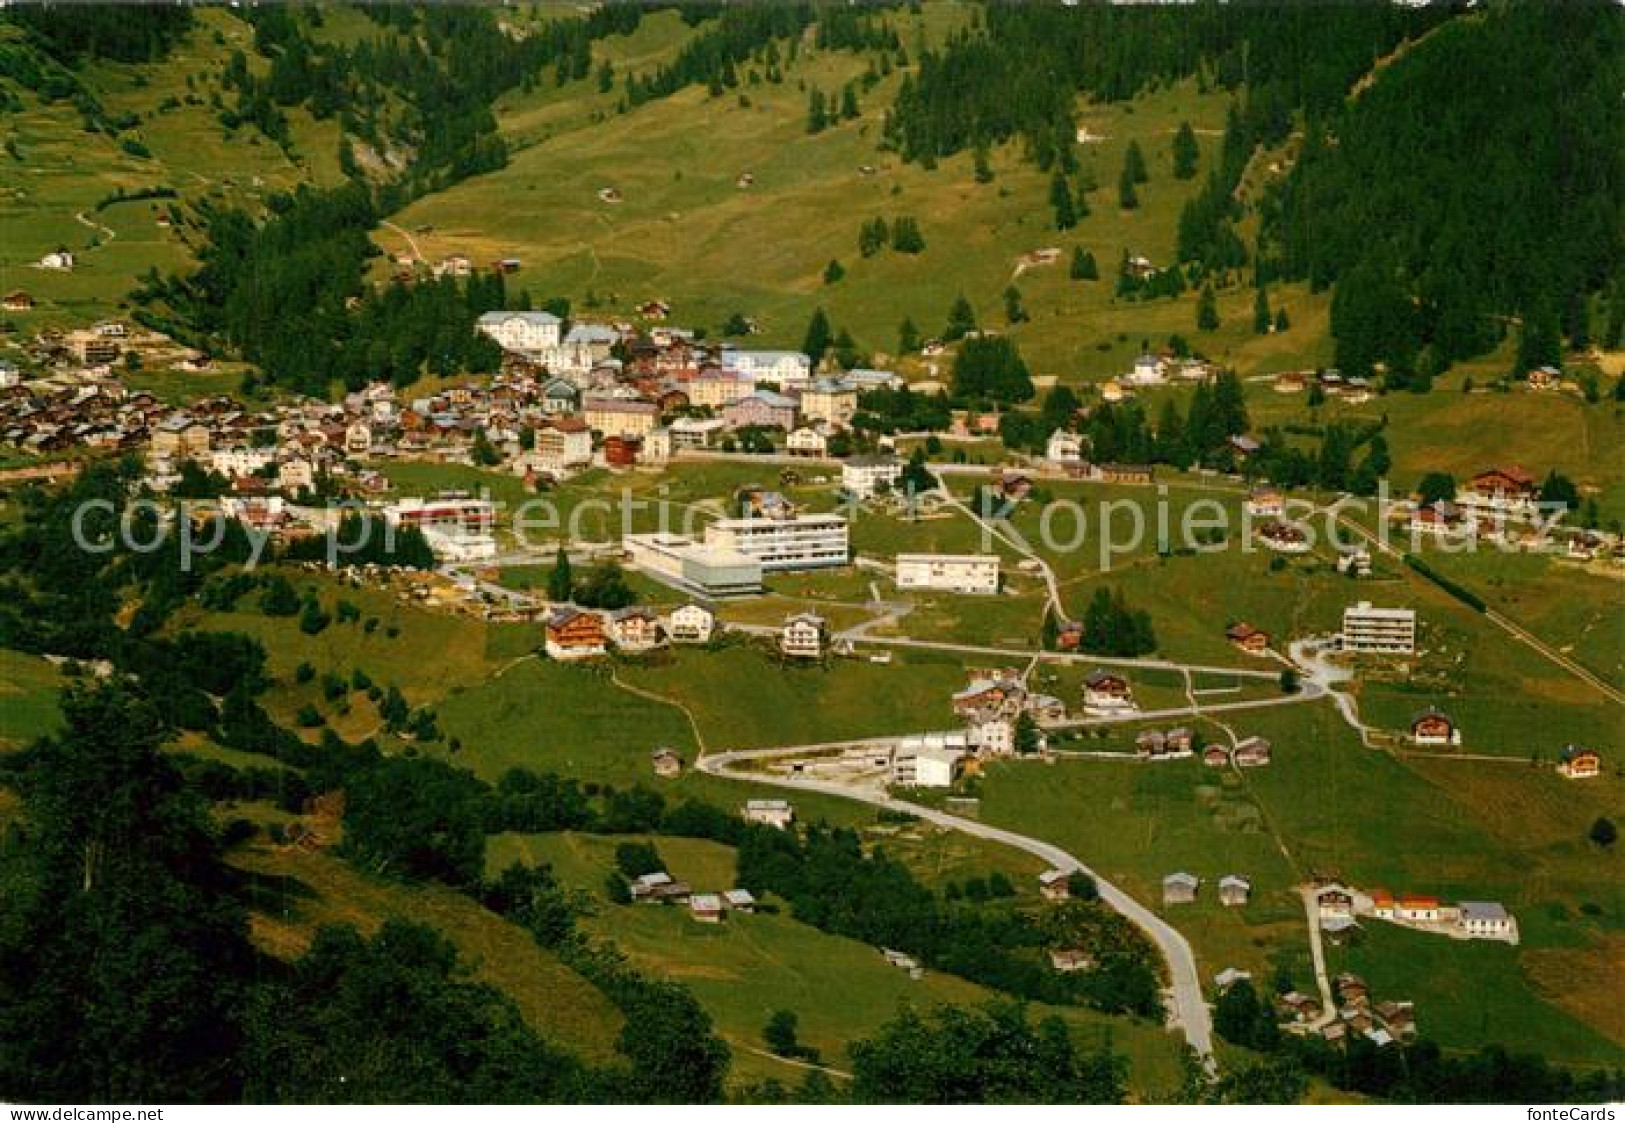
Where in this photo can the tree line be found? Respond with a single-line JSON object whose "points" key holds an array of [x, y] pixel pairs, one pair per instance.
{"points": [[1472, 190]]}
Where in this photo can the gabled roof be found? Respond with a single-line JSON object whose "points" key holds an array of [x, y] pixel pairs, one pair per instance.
{"points": [[540, 319], [770, 399]]}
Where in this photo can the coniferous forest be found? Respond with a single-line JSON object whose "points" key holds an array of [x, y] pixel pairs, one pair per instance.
{"points": [[1450, 175]]}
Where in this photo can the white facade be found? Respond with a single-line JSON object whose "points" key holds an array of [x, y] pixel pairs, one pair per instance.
{"points": [[1064, 447], [802, 636], [525, 332], [562, 446], [769, 812], [994, 737], [696, 432], [235, 463], [807, 441], [657, 446], [708, 570], [954, 573], [296, 475], [692, 623], [829, 400], [781, 368], [863, 476], [926, 762], [801, 542], [1379, 631], [1487, 920], [1148, 370]]}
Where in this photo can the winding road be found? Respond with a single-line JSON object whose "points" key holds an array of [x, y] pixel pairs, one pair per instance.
{"points": [[1188, 1007]]}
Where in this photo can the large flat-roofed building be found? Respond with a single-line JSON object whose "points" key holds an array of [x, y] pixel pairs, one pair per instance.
{"points": [[799, 542], [711, 571], [1379, 631], [954, 573], [928, 760], [446, 513]]}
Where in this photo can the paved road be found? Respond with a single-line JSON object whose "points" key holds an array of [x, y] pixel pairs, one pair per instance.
{"points": [[1515, 630], [1328, 1008], [1018, 544], [1046, 656], [1187, 1005]]}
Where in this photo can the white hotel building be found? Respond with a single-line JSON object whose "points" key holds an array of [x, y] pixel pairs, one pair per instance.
{"points": [[802, 542], [953, 573], [1379, 631]]}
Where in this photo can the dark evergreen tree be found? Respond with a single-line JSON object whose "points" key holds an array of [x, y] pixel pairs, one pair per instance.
{"points": [[1014, 311], [1207, 310], [818, 338], [1186, 152], [908, 337], [1134, 163], [1262, 321], [961, 320], [1060, 198]]}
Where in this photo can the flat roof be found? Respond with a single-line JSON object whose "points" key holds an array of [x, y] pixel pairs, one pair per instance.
{"points": [[994, 558]]}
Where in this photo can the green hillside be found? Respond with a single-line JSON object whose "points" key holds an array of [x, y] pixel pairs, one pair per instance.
{"points": [[686, 232], [63, 178]]}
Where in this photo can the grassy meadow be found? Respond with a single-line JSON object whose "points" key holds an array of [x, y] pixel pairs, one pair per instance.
{"points": [[745, 968], [61, 173], [28, 698], [686, 232], [1328, 807]]}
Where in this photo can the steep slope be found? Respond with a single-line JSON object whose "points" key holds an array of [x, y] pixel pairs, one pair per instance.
{"points": [[66, 176], [689, 230]]}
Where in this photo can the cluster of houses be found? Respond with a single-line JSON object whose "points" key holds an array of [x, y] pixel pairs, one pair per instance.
{"points": [[1182, 888], [1381, 1023], [1502, 505], [1249, 752], [662, 389], [1340, 907], [89, 409], [1174, 744], [1351, 389], [1163, 367], [571, 633], [659, 888], [991, 706], [565, 399], [1067, 452]]}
